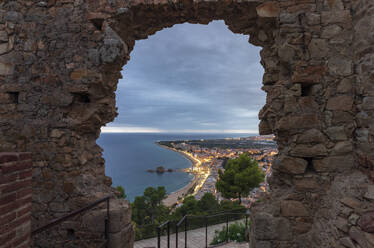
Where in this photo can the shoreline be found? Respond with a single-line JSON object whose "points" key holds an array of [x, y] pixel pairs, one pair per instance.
{"points": [[172, 198], [181, 153]]}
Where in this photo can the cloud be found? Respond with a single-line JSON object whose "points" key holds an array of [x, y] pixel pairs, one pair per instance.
{"points": [[128, 129], [192, 77]]}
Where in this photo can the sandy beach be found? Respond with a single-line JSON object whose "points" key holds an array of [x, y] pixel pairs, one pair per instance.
{"points": [[172, 198]]}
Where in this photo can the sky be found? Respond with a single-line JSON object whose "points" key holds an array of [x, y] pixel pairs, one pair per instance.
{"points": [[191, 78]]}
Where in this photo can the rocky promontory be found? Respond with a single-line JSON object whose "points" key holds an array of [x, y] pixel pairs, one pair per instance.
{"points": [[160, 170]]}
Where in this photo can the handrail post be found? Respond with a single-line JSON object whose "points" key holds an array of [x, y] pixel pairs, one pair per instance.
{"points": [[158, 237], [176, 236], [168, 234], [206, 232], [227, 228], [246, 226], [185, 232], [107, 222]]}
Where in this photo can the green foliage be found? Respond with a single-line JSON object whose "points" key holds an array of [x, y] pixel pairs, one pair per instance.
{"points": [[148, 209], [208, 203], [121, 191], [241, 175], [236, 233]]}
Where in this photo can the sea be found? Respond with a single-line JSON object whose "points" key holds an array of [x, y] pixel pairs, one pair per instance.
{"points": [[128, 156]]}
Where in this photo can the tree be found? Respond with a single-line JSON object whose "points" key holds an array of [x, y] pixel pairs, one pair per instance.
{"points": [[190, 206], [208, 203], [121, 191], [153, 199], [241, 175], [139, 210]]}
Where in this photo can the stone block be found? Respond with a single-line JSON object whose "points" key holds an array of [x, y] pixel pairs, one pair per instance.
{"points": [[347, 242], [302, 150], [338, 16], [336, 133], [309, 75], [366, 222], [341, 224], [267, 227], [358, 236], [4, 48], [294, 122], [306, 184], [343, 103], [263, 244], [56, 133], [370, 238], [290, 208], [368, 103], [264, 128], [345, 86], [301, 227], [370, 192], [318, 48], [5, 69], [78, 74], [291, 165], [340, 66], [264, 226], [331, 31], [342, 147], [351, 202], [268, 9], [3, 36], [119, 218], [123, 239], [353, 218], [311, 136], [313, 18], [334, 163]]}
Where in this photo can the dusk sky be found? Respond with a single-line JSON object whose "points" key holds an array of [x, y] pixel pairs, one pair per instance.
{"points": [[191, 78]]}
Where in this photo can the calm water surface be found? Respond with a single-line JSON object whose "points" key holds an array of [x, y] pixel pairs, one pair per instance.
{"points": [[129, 155]]}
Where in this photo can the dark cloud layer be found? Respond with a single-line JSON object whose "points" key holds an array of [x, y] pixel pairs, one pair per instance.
{"points": [[191, 78]]}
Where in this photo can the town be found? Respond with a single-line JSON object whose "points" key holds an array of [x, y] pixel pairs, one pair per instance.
{"points": [[210, 156]]}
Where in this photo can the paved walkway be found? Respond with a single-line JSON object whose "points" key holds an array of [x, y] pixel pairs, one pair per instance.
{"points": [[195, 239]]}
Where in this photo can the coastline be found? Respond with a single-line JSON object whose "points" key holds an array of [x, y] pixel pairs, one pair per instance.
{"points": [[181, 153], [172, 197]]}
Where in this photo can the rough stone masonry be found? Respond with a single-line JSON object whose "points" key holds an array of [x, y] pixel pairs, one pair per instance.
{"points": [[60, 61]]}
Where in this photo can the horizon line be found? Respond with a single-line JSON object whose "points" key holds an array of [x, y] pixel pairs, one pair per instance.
{"points": [[152, 130]]}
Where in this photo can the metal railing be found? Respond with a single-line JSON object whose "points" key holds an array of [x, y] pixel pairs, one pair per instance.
{"points": [[187, 221], [76, 212]]}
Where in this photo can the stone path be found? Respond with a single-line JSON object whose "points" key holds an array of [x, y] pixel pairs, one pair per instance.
{"points": [[195, 239]]}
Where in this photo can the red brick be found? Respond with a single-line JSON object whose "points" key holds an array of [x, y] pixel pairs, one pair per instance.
{"points": [[7, 199], [24, 201], [25, 174], [12, 167], [17, 223], [8, 157], [9, 167], [20, 221], [24, 165], [21, 240], [24, 192], [16, 186], [23, 211], [25, 155], [7, 237], [8, 218], [8, 178], [26, 245], [8, 208]]}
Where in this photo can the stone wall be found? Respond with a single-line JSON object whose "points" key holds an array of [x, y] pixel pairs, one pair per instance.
{"points": [[60, 62], [15, 199]]}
